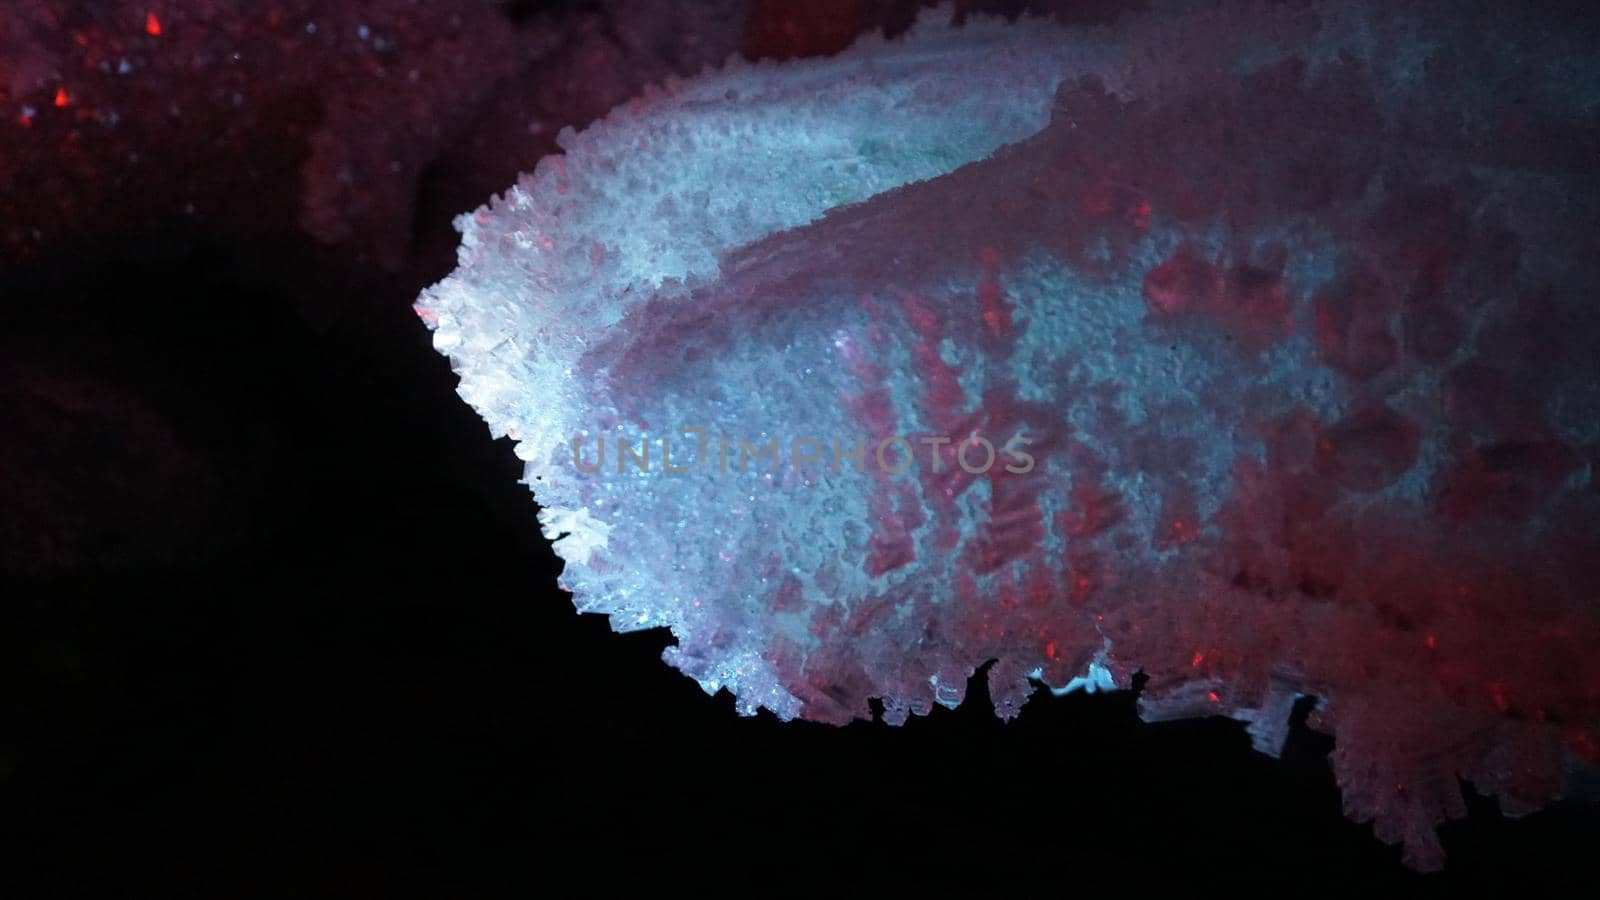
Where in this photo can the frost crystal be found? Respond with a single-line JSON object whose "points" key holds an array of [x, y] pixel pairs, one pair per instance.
{"points": [[1250, 349]]}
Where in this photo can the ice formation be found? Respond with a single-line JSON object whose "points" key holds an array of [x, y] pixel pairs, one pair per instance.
{"points": [[1249, 349]]}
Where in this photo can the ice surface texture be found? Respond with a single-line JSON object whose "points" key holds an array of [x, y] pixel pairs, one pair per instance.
{"points": [[1290, 304]]}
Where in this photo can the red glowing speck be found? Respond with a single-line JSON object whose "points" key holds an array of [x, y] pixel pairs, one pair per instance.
{"points": [[1583, 742], [1433, 642], [152, 25], [1141, 215], [1497, 692], [61, 98], [1199, 657], [1050, 649], [1212, 696]]}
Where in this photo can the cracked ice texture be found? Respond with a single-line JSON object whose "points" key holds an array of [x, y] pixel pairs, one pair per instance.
{"points": [[1291, 301]]}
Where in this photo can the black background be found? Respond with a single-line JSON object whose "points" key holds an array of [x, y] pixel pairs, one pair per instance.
{"points": [[363, 681]]}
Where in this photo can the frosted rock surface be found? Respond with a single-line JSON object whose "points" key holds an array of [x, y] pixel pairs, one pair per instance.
{"points": [[1248, 350]]}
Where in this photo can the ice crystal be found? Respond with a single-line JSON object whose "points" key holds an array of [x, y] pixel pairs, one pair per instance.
{"points": [[1247, 349]]}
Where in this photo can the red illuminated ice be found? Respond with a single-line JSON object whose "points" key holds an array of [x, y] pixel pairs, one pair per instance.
{"points": [[1252, 352]]}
